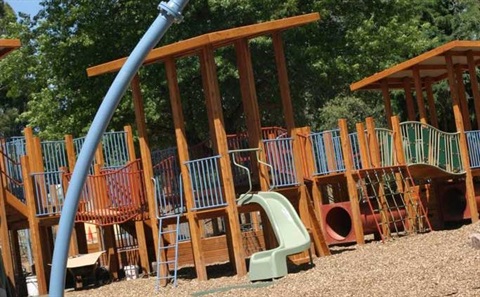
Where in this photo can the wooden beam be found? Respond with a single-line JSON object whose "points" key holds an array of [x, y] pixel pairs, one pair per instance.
{"points": [[183, 156], [387, 102], [351, 183], [250, 108], [213, 92], [13, 201], [5, 239], [472, 71], [419, 94], [146, 160], [409, 99], [70, 148], [431, 102], [283, 81], [362, 143], [462, 98], [470, 191]]}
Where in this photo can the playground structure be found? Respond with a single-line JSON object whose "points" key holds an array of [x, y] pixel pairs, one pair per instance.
{"points": [[178, 206]]}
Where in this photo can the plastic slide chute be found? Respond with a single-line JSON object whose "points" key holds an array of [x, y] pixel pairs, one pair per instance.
{"points": [[291, 234]]}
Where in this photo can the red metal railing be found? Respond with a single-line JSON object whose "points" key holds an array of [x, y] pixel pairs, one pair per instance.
{"points": [[113, 196]]}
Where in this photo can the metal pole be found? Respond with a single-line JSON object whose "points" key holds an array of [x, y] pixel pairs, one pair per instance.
{"points": [[169, 12]]}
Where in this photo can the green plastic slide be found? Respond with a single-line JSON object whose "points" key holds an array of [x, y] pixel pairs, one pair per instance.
{"points": [[292, 236]]}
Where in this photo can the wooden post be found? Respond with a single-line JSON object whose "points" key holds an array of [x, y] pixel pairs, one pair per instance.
{"points": [[387, 102], [37, 242], [283, 81], [139, 225], [111, 250], [462, 98], [470, 191], [351, 183], [250, 107], [70, 148], [4, 236], [362, 143], [145, 156], [213, 98], [431, 102], [183, 156], [409, 100], [419, 93], [472, 71]]}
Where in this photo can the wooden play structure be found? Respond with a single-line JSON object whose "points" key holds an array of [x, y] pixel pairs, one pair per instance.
{"points": [[191, 204]]}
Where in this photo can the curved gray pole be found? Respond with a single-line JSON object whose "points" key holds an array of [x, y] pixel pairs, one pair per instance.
{"points": [[169, 12]]}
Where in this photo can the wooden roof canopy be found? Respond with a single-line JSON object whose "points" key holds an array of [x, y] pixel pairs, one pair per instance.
{"points": [[8, 45], [431, 65], [215, 39]]}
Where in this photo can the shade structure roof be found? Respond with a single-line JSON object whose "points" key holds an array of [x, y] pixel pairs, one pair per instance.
{"points": [[8, 45], [431, 65], [215, 39]]}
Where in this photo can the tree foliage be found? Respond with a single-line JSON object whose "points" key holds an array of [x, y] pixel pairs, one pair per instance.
{"points": [[46, 83]]}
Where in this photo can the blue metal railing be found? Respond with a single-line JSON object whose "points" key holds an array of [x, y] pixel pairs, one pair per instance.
{"points": [[54, 155], [49, 192], [279, 154], [12, 150], [205, 181], [327, 152], [115, 149], [355, 145], [473, 142]]}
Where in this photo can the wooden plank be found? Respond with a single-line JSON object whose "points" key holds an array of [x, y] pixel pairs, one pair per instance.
{"points": [[7, 46], [214, 39], [15, 203], [351, 183], [5, 238], [70, 148], [470, 191], [183, 155]]}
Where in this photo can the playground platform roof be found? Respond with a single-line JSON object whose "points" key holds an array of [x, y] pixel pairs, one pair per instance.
{"points": [[431, 65], [8, 45], [215, 39]]}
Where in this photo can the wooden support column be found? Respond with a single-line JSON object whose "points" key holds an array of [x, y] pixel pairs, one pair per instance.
{"points": [[431, 102], [139, 225], [351, 183], [213, 98], [183, 156], [37, 242], [362, 143], [250, 107], [472, 71], [5, 238], [470, 191], [111, 250], [376, 163], [387, 102], [407, 86], [419, 94], [283, 81], [145, 157], [462, 98]]}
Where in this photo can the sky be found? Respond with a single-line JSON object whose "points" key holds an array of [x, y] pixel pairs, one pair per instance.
{"points": [[30, 7]]}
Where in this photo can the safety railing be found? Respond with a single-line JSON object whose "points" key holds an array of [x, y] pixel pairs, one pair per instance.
{"points": [[473, 142], [327, 152], [168, 188], [386, 147], [355, 148], [279, 154], [49, 192], [54, 155], [115, 149], [304, 141], [114, 196], [12, 172], [425, 144], [205, 182]]}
